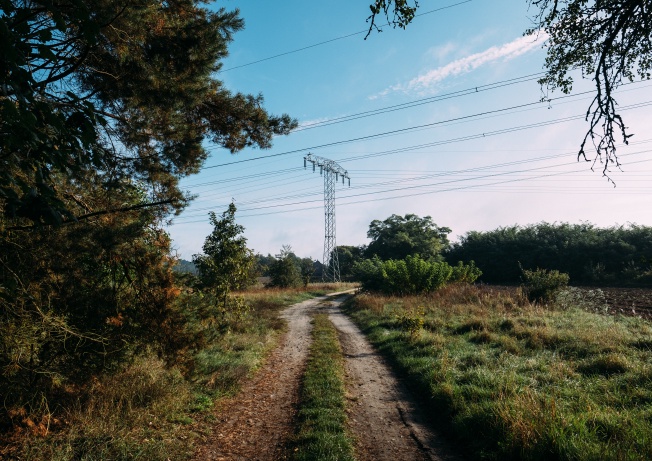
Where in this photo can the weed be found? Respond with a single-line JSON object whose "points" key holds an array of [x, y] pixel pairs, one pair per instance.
{"points": [[412, 321], [541, 286]]}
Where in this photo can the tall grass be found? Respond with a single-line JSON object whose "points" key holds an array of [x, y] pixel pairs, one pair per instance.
{"points": [[151, 410], [515, 381]]}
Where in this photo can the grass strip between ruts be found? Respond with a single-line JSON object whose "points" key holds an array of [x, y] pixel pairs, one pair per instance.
{"points": [[321, 432]]}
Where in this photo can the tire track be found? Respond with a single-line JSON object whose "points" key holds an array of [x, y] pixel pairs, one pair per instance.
{"points": [[257, 423], [383, 416]]}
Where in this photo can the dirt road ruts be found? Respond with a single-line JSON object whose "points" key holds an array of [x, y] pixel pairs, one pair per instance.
{"points": [[257, 423], [383, 416]]}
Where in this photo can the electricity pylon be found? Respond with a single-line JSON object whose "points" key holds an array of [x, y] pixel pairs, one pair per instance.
{"points": [[331, 172]]}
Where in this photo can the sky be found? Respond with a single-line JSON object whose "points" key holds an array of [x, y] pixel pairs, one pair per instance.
{"points": [[442, 119]]}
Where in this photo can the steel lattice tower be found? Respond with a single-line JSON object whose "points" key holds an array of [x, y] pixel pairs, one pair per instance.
{"points": [[331, 172]]}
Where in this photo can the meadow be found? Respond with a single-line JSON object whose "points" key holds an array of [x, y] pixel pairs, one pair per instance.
{"points": [[507, 379]]}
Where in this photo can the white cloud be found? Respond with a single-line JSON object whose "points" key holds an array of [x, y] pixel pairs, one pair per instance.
{"points": [[506, 52], [443, 51]]}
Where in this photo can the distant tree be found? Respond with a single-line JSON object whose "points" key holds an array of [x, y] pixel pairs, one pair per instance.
{"points": [[589, 254], [226, 264], [284, 271], [306, 270], [609, 41], [185, 267], [264, 263], [400, 236], [347, 257]]}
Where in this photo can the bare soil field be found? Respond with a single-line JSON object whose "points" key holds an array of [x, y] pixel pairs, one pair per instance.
{"points": [[620, 300], [629, 301]]}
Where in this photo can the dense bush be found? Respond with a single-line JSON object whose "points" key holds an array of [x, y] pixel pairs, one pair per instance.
{"points": [[541, 285], [284, 271], [466, 273], [411, 275], [79, 300]]}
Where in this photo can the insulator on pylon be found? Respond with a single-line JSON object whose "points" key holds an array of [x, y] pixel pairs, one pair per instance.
{"points": [[349, 182], [313, 167], [304, 163]]}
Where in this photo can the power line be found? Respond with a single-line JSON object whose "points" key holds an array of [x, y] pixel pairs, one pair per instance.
{"points": [[471, 186], [426, 125], [444, 173], [332, 40], [405, 149], [419, 102], [484, 176]]}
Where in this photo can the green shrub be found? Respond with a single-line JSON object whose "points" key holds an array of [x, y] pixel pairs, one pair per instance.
{"points": [[411, 275], [541, 285], [465, 273], [369, 272]]}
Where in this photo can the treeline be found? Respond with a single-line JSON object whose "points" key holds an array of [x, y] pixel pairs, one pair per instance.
{"points": [[618, 255], [590, 255]]}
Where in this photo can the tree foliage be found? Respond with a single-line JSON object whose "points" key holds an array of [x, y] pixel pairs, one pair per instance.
{"points": [[285, 270], [589, 254], [608, 41], [226, 264], [400, 236], [104, 106], [124, 89], [347, 256], [398, 13], [76, 300], [307, 269]]}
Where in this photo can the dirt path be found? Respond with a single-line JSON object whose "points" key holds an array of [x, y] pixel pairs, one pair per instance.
{"points": [[382, 414], [258, 422]]}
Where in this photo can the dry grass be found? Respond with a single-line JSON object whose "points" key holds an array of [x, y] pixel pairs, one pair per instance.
{"points": [[142, 409], [149, 410]]}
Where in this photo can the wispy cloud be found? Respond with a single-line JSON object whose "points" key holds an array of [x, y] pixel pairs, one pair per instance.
{"points": [[425, 82]]}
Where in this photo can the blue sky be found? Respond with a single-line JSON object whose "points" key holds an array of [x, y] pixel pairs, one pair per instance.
{"points": [[440, 119]]}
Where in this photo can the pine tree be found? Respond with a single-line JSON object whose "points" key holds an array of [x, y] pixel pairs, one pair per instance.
{"points": [[227, 264]]}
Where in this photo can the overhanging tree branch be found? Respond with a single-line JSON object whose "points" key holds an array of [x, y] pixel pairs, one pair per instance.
{"points": [[96, 213]]}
